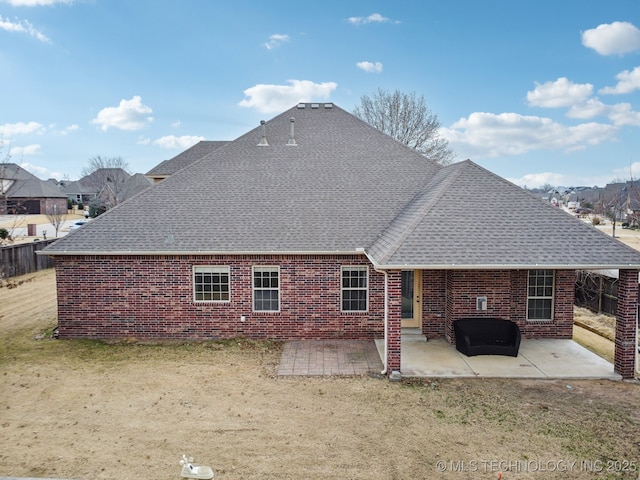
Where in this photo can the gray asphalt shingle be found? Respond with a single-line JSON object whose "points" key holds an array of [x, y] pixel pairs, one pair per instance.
{"points": [[345, 186], [186, 158]]}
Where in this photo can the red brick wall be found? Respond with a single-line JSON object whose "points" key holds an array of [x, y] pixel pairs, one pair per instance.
{"points": [[145, 297], [626, 321], [433, 302], [506, 292], [151, 297]]}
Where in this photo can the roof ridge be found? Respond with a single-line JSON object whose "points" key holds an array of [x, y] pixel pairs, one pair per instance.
{"points": [[429, 199]]}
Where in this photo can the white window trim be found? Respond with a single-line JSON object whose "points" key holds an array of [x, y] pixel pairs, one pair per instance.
{"points": [[552, 297], [264, 268], [364, 268], [210, 269]]}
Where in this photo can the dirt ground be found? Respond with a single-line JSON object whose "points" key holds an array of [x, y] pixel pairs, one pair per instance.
{"points": [[86, 410]]}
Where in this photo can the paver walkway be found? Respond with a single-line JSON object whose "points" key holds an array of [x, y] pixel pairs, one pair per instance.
{"points": [[329, 357]]}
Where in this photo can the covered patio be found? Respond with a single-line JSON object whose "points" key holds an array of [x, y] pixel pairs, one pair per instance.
{"points": [[537, 358]]}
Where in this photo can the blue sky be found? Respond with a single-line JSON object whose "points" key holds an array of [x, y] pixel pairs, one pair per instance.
{"points": [[543, 91]]}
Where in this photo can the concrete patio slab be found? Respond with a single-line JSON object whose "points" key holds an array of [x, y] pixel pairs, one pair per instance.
{"points": [[559, 359], [536, 359]]}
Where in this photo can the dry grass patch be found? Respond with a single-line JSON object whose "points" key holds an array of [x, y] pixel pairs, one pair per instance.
{"points": [[85, 409]]}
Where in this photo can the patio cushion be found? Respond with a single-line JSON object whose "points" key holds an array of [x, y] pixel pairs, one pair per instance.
{"points": [[487, 336]]}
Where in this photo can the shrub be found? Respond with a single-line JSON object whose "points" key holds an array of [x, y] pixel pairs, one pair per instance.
{"points": [[595, 221]]}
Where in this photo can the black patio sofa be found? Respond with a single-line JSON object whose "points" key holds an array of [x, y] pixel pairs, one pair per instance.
{"points": [[487, 336]]}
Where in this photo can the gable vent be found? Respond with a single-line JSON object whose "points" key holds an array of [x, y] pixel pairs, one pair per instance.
{"points": [[263, 141], [292, 138]]}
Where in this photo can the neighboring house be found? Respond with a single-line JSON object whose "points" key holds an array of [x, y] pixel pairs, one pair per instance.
{"points": [[317, 226], [104, 184], [168, 167], [622, 201], [135, 184], [23, 193], [576, 197]]}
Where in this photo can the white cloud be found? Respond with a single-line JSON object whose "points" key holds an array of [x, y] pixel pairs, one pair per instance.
{"points": [[612, 38], [619, 114], [373, 18], [577, 97], [69, 129], [275, 98], [9, 130], [536, 180], [276, 40], [22, 26], [26, 150], [628, 82], [173, 142], [622, 114], [176, 124], [41, 172], [591, 108], [36, 3], [371, 67], [561, 93], [490, 135], [129, 115]]}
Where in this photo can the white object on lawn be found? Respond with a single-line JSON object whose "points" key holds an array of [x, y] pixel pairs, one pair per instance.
{"points": [[190, 471]]}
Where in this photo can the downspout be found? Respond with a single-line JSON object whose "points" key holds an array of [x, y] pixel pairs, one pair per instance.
{"points": [[386, 308], [386, 317]]}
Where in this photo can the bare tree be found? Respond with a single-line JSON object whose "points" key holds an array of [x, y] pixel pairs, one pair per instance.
{"points": [[619, 202], [55, 217], [408, 119], [107, 176]]}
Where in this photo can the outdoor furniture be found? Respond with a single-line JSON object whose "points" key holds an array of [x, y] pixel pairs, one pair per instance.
{"points": [[487, 336]]}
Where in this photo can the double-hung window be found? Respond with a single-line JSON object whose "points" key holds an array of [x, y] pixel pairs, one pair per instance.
{"points": [[355, 284], [211, 284], [266, 289], [540, 295]]}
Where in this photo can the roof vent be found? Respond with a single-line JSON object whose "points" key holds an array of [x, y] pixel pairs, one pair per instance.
{"points": [[263, 141], [292, 138], [328, 105], [301, 106], [315, 105]]}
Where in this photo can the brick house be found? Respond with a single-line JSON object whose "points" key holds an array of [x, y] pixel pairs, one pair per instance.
{"points": [[315, 225], [23, 193]]}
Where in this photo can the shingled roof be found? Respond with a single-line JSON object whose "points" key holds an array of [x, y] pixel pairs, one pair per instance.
{"points": [[184, 159], [22, 184], [316, 179]]}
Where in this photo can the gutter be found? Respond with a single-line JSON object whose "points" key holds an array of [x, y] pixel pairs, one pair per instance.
{"points": [[149, 253], [506, 266]]}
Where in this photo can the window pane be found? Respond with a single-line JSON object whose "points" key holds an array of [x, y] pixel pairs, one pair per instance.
{"points": [[265, 289], [540, 295], [354, 289], [211, 283]]}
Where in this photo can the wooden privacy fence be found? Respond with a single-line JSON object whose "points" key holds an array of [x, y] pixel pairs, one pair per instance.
{"points": [[21, 259], [597, 292]]}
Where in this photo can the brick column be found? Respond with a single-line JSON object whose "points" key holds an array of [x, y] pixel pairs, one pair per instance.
{"points": [[394, 325], [626, 317]]}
